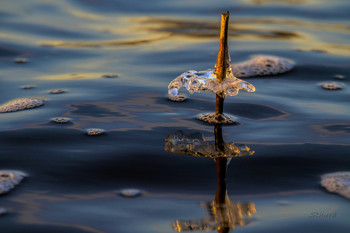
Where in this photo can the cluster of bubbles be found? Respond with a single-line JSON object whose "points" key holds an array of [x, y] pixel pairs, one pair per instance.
{"points": [[95, 131], [332, 86], [337, 182], [9, 179], [21, 104], [262, 65]]}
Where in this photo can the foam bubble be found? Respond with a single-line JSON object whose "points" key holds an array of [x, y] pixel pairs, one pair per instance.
{"points": [[61, 120], [339, 76], [3, 211], [95, 131], [130, 193], [57, 91], [21, 104], [213, 119], [28, 87], [331, 86], [110, 75], [337, 182], [20, 60], [9, 179], [262, 65]]}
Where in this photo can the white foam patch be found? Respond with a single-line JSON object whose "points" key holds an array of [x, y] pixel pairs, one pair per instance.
{"points": [[95, 131], [262, 65], [337, 182], [21, 104], [331, 86], [9, 179]]}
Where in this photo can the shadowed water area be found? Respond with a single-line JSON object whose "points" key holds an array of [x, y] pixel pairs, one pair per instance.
{"points": [[114, 60]]}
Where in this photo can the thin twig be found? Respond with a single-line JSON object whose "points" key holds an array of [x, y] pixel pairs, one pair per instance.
{"points": [[222, 61]]}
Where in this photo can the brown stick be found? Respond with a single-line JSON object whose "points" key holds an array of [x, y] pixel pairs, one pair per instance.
{"points": [[223, 60]]}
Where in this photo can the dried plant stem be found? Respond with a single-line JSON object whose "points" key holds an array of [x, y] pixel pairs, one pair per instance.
{"points": [[222, 60]]}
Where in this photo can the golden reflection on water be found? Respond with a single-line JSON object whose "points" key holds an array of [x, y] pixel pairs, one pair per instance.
{"points": [[223, 215]]}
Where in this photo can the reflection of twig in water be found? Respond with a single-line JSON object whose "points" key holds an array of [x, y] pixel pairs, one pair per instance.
{"points": [[224, 215]]}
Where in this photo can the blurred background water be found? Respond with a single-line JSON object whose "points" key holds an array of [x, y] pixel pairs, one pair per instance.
{"points": [[298, 130]]}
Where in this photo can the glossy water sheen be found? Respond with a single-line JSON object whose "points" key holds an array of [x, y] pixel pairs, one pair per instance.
{"points": [[297, 129]]}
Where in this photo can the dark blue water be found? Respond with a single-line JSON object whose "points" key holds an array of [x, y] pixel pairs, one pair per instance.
{"points": [[298, 130]]}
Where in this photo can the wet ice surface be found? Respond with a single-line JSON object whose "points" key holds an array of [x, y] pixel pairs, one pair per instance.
{"points": [[21, 104], [9, 179], [197, 81], [337, 182]]}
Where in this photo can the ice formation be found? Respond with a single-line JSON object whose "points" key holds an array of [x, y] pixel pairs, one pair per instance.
{"points": [[61, 120], [21, 104], [130, 192], [197, 145], [262, 65], [197, 81], [95, 131], [337, 182], [331, 86], [9, 179]]}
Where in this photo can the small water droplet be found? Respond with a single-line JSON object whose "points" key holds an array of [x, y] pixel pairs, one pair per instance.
{"points": [[95, 131], [130, 193], [331, 86]]}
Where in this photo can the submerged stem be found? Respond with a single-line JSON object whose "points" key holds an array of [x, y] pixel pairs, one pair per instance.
{"points": [[222, 61]]}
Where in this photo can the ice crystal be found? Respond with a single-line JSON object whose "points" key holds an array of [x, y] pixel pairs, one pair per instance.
{"points": [[197, 81]]}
